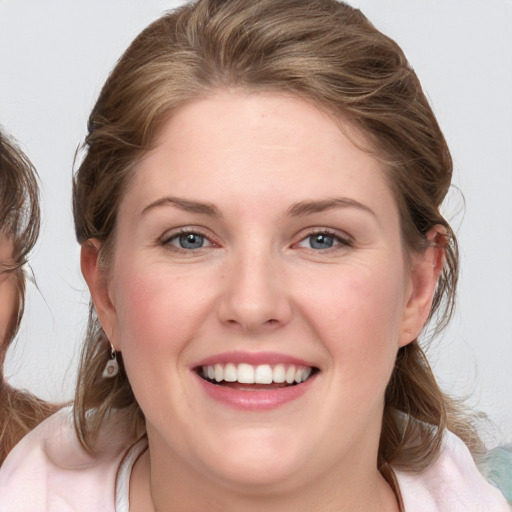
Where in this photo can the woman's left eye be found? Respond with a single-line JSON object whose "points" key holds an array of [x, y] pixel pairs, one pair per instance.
{"points": [[189, 241], [322, 241]]}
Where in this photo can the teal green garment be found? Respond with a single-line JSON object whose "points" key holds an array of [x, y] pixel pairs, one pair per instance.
{"points": [[496, 466]]}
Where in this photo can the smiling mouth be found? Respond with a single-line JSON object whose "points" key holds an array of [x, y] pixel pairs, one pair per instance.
{"points": [[249, 377]]}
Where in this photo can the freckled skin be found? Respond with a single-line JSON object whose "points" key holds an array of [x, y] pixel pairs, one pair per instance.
{"points": [[257, 284]]}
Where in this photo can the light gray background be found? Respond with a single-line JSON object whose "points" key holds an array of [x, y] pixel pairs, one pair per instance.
{"points": [[54, 57]]}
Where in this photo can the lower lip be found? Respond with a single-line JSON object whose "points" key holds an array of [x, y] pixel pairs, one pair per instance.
{"points": [[257, 400]]}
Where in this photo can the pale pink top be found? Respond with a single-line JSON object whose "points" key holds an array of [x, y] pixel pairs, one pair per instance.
{"points": [[48, 471]]}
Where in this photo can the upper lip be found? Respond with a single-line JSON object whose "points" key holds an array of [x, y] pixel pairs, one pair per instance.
{"points": [[252, 358]]}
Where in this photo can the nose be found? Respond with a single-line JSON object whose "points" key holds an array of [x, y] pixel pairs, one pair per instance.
{"points": [[255, 296]]}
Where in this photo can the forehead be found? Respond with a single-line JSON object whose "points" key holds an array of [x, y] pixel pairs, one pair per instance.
{"points": [[239, 146]]}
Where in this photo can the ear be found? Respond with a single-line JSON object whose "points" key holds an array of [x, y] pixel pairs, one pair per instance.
{"points": [[425, 269], [96, 280]]}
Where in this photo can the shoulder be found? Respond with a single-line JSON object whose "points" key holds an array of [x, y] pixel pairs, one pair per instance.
{"points": [[496, 466], [20, 412], [50, 471], [452, 484]]}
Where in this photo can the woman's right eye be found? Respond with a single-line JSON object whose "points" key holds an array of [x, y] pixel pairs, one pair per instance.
{"points": [[188, 241]]}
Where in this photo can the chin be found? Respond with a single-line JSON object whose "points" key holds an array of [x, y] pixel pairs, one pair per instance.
{"points": [[258, 475], [259, 459]]}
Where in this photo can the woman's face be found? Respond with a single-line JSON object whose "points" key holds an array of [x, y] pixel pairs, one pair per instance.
{"points": [[8, 291], [255, 245]]}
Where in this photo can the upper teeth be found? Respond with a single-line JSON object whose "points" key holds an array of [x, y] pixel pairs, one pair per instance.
{"points": [[262, 374]]}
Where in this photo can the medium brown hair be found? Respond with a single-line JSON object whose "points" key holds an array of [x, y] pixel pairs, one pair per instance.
{"points": [[324, 52], [20, 411], [19, 217]]}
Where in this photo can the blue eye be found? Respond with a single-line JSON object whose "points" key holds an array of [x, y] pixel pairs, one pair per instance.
{"points": [[190, 241], [187, 240], [321, 241], [324, 240]]}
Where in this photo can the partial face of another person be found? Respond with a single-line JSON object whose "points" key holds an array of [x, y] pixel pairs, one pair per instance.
{"points": [[8, 292], [259, 291]]}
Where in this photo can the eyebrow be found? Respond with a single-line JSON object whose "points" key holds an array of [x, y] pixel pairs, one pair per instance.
{"points": [[310, 207], [296, 210], [185, 205]]}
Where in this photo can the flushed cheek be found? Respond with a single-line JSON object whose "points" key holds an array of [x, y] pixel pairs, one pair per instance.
{"points": [[356, 298], [157, 311], [153, 327], [358, 322]]}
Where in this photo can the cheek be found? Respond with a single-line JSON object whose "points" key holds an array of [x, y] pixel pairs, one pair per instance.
{"points": [[157, 310], [358, 317]]}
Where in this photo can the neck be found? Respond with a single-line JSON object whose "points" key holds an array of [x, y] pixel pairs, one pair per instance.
{"points": [[155, 488]]}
